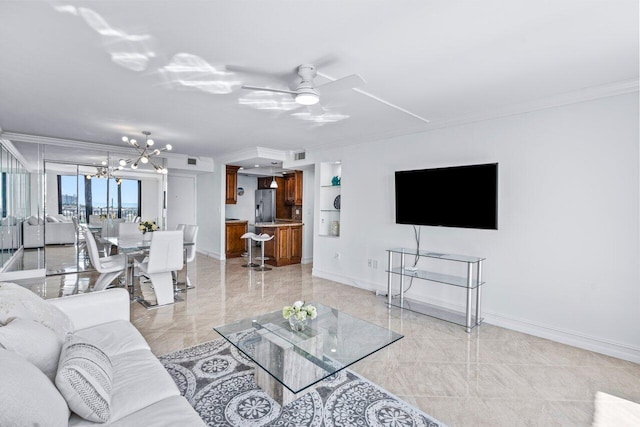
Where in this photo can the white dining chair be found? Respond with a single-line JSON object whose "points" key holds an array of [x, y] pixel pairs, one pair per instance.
{"points": [[262, 238], [109, 267], [165, 257], [129, 229], [190, 236]]}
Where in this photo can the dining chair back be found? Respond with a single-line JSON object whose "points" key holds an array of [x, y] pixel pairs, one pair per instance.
{"points": [[191, 236], [129, 229], [80, 241], [165, 256], [109, 267], [94, 220]]}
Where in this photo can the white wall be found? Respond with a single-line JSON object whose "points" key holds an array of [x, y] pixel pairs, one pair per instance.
{"points": [[210, 212], [564, 263], [151, 209], [244, 208], [181, 200]]}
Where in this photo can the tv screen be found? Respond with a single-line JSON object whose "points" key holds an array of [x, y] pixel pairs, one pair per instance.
{"points": [[458, 196]]}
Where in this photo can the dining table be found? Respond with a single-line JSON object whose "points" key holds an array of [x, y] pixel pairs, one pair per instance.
{"points": [[139, 246]]}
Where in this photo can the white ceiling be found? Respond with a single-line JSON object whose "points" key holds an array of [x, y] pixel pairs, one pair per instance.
{"points": [[96, 70]]}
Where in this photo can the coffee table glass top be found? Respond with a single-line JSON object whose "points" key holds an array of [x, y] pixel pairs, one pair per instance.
{"points": [[329, 343]]}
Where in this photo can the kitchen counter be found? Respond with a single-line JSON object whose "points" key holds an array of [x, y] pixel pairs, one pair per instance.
{"points": [[234, 220], [277, 223]]}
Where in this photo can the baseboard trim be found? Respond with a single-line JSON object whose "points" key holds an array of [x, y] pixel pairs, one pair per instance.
{"points": [[586, 342], [575, 339], [213, 255]]}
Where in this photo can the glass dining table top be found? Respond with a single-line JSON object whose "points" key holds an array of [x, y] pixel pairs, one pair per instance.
{"points": [[129, 244], [329, 343]]}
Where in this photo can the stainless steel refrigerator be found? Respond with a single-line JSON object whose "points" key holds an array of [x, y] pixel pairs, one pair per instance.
{"points": [[265, 205]]}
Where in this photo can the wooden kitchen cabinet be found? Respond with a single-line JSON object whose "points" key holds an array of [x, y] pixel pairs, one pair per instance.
{"points": [[286, 247], [231, 196], [235, 245], [264, 183], [297, 189], [289, 189], [293, 188]]}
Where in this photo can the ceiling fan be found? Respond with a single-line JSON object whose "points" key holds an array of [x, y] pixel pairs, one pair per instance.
{"points": [[306, 92]]}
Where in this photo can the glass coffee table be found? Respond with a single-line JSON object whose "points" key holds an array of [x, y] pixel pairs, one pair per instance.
{"points": [[290, 363]]}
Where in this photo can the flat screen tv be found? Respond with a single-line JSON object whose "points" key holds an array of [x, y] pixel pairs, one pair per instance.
{"points": [[457, 196]]}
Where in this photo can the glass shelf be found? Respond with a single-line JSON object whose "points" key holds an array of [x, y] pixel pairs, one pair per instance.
{"points": [[428, 254], [436, 277], [472, 283]]}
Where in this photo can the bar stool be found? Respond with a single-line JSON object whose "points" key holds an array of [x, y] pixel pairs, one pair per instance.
{"points": [[249, 236], [262, 238]]}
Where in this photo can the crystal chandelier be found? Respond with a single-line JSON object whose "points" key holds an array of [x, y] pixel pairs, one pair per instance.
{"points": [[145, 153], [104, 172]]}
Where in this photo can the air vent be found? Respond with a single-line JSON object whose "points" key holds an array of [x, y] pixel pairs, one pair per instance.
{"points": [[299, 156], [191, 161]]}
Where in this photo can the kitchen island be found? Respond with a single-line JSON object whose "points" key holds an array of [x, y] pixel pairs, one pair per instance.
{"points": [[286, 246]]}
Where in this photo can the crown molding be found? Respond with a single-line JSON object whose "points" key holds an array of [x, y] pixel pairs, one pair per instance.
{"points": [[575, 97], [255, 152], [79, 145], [6, 143], [560, 100]]}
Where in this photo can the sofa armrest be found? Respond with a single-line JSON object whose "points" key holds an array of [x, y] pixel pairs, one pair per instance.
{"points": [[95, 308]]}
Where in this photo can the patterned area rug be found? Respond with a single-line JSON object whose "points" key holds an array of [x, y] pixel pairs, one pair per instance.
{"points": [[218, 382]]}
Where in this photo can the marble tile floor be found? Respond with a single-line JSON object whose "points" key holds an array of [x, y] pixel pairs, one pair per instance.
{"points": [[491, 377]]}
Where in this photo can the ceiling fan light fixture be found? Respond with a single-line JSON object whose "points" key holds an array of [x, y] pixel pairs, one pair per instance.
{"points": [[307, 97]]}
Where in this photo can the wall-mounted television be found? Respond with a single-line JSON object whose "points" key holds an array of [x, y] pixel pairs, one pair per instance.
{"points": [[456, 196]]}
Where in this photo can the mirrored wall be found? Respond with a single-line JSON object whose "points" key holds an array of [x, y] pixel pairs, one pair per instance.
{"points": [[14, 199], [55, 193], [79, 198]]}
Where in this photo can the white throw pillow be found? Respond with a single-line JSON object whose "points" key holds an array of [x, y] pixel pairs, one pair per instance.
{"points": [[52, 219], [27, 397], [84, 379], [33, 341], [19, 302], [33, 220]]}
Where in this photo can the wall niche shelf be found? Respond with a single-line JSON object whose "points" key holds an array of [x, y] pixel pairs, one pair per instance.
{"points": [[472, 283], [329, 193]]}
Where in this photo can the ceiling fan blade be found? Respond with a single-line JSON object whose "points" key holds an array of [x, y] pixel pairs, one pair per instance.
{"points": [[261, 72], [344, 83], [316, 109], [268, 89], [391, 105]]}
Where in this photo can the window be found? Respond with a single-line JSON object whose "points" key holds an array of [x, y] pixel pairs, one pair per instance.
{"points": [[80, 196]]}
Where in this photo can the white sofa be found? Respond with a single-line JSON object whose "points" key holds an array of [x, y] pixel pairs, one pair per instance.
{"points": [[36, 232], [138, 391], [9, 235]]}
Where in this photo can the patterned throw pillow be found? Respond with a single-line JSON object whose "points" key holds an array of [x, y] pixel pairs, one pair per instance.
{"points": [[84, 379]]}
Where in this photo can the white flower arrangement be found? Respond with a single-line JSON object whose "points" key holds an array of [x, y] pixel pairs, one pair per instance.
{"points": [[299, 311], [146, 226]]}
